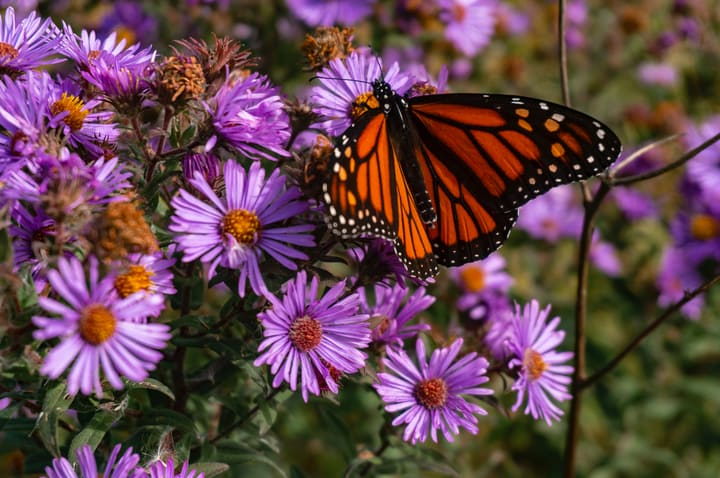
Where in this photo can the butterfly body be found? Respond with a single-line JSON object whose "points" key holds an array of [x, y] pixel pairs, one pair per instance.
{"points": [[441, 176]]}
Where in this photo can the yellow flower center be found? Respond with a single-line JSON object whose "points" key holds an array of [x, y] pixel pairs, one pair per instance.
{"points": [[704, 227], [241, 224], [8, 50], [97, 324], [431, 393], [74, 106], [534, 364], [135, 279], [363, 103], [305, 333], [473, 277]]}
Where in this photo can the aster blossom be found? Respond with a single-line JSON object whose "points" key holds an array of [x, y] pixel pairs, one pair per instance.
{"points": [[146, 274], [485, 285], [310, 339], [86, 48], [393, 308], [469, 23], [249, 115], [236, 230], [542, 377], [317, 13], [124, 466], [431, 394], [97, 329], [26, 45], [166, 469], [32, 233], [345, 90]]}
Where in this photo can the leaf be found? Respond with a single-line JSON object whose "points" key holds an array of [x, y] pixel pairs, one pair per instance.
{"points": [[93, 433], [210, 468], [55, 403], [177, 420], [150, 384]]}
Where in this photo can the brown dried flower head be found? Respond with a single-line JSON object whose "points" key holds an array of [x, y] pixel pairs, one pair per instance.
{"points": [[179, 79], [325, 44], [226, 55], [120, 230]]}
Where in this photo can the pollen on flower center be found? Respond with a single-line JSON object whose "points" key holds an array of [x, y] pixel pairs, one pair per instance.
{"points": [[431, 393], [459, 12], [363, 103], [704, 227], [135, 279], [473, 278], [8, 50], [534, 364], [97, 324], [241, 224], [74, 106], [305, 333]]}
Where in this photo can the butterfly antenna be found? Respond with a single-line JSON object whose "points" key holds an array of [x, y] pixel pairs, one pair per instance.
{"points": [[317, 77]]}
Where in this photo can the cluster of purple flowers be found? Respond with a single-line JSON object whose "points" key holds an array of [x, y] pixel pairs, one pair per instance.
{"points": [[118, 466], [102, 276]]}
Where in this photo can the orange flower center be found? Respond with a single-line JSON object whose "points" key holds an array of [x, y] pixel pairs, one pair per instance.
{"points": [[704, 227], [305, 333], [135, 279], [534, 364], [431, 393], [97, 324], [473, 277], [363, 103], [75, 108], [242, 225], [8, 50]]}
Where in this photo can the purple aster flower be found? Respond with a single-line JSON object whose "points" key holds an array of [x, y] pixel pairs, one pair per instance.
{"points": [[67, 183], [131, 21], [27, 45], [345, 89], [123, 467], [704, 169], [604, 256], [484, 284], [125, 87], [658, 74], [552, 216], [85, 50], [696, 230], [675, 277], [511, 20], [541, 373], [97, 329], [377, 262], [234, 231], [394, 308], [32, 233], [634, 204], [166, 469], [469, 23], [576, 17], [148, 274], [206, 164], [317, 13], [430, 395], [249, 115], [317, 339], [499, 326]]}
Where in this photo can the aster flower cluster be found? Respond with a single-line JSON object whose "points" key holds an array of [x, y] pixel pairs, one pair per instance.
{"points": [[172, 280]]}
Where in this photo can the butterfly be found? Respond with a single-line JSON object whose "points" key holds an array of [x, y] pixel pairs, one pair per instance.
{"points": [[442, 176]]}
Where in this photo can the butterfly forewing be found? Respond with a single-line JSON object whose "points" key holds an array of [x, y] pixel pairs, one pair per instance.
{"points": [[514, 148], [367, 195]]}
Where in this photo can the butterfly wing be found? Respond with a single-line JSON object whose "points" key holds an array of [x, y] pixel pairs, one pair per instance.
{"points": [[483, 156], [367, 194]]}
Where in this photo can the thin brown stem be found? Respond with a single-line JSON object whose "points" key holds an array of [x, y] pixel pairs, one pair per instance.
{"points": [[573, 427], [647, 331], [562, 53], [675, 164]]}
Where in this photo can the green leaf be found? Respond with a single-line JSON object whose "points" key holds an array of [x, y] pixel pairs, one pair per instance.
{"points": [[150, 384], [210, 468], [55, 404], [177, 420], [93, 433]]}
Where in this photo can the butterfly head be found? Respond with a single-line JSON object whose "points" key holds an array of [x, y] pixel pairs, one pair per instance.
{"points": [[383, 92]]}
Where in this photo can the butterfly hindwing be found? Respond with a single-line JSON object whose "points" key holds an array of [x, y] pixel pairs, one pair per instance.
{"points": [[367, 194]]}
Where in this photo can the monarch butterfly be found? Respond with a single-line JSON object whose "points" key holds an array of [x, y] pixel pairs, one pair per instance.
{"points": [[441, 176]]}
